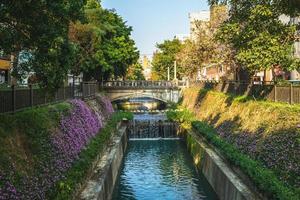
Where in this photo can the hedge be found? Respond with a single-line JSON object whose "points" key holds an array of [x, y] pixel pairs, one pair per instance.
{"points": [[265, 180]]}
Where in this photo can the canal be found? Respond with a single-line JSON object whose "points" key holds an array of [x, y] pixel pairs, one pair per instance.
{"points": [[157, 164]]}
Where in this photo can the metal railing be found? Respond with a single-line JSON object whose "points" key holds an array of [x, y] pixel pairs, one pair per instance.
{"points": [[16, 98], [285, 92], [142, 84]]}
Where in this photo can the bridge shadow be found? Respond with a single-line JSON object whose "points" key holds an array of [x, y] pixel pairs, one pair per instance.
{"points": [[139, 103]]}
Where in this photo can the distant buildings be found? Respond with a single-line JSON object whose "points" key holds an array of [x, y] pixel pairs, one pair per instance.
{"points": [[204, 23], [145, 61], [294, 74], [200, 18]]}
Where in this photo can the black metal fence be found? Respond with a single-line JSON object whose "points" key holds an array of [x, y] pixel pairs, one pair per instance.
{"points": [[288, 93], [16, 98]]}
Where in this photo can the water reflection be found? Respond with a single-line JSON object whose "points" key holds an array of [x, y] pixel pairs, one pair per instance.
{"points": [[143, 103], [160, 169]]}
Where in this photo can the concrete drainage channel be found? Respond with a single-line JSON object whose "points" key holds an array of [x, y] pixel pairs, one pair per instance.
{"points": [[221, 177], [105, 173], [225, 182]]}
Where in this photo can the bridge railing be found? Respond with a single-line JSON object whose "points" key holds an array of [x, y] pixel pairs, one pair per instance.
{"points": [[144, 84], [139, 84]]}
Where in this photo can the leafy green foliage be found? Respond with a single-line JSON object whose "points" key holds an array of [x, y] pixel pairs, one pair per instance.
{"points": [[135, 72], [165, 58], [288, 7], [39, 29], [260, 39], [184, 117], [105, 49], [24, 139], [51, 39], [203, 49], [263, 178]]}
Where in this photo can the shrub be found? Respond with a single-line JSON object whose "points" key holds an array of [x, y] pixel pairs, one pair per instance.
{"points": [[65, 188], [262, 177], [184, 117], [38, 146]]}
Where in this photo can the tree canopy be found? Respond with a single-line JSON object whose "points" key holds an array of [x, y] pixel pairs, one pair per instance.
{"points": [[165, 57], [240, 7], [53, 38], [203, 49], [103, 40], [135, 72], [39, 30], [259, 38]]}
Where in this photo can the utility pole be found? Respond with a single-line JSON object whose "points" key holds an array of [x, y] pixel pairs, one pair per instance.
{"points": [[168, 73], [175, 70]]}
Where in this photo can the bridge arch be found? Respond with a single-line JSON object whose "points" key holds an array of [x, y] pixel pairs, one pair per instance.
{"points": [[163, 91], [132, 96]]}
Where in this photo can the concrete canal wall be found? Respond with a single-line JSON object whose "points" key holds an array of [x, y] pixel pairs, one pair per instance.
{"points": [[105, 173], [221, 177]]}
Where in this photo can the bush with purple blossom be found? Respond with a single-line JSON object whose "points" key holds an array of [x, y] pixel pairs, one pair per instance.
{"points": [[52, 139]]}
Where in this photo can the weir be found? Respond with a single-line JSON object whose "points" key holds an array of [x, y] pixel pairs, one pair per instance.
{"points": [[151, 128]]}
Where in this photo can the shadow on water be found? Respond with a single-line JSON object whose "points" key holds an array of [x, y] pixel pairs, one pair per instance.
{"points": [[143, 103], [160, 170]]}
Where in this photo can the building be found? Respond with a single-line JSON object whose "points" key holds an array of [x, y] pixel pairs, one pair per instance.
{"points": [[197, 19], [5, 66], [278, 72], [145, 61], [203, 24]]}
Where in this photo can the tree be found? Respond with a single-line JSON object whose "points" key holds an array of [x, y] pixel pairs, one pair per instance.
{"points": [[204, 49], [39, 29], [103, 40], [135, 72], [288, 7], [165, 57], [260, 39]]}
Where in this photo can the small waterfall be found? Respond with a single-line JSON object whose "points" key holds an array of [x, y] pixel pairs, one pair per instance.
{"points": [[142, 129]]}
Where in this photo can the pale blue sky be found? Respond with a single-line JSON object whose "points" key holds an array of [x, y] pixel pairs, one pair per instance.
{"points": [[155, 20]]}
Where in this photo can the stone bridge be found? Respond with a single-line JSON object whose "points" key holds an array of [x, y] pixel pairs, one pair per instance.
{"points": [[165, 91]]}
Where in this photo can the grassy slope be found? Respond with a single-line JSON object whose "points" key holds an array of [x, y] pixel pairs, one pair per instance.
{"points": [[266, 131], [25, 143], [24, 138]]}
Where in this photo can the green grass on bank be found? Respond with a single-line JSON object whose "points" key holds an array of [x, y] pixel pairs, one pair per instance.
{"points": [[24, 139], [248, 99], [264, 179], [77, 174]]}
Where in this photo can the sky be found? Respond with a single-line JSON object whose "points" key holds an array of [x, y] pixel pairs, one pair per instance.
{"points": [[153, 21]]}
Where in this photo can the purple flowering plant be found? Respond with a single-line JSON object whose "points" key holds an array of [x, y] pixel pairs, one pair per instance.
{"points": [[54, 153]]}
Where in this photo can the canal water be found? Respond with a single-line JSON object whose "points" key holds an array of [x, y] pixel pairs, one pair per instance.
{"points": [[157, 164]]}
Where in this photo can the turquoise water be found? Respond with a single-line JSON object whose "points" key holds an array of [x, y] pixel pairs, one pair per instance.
{"points": [[160, 169]]}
